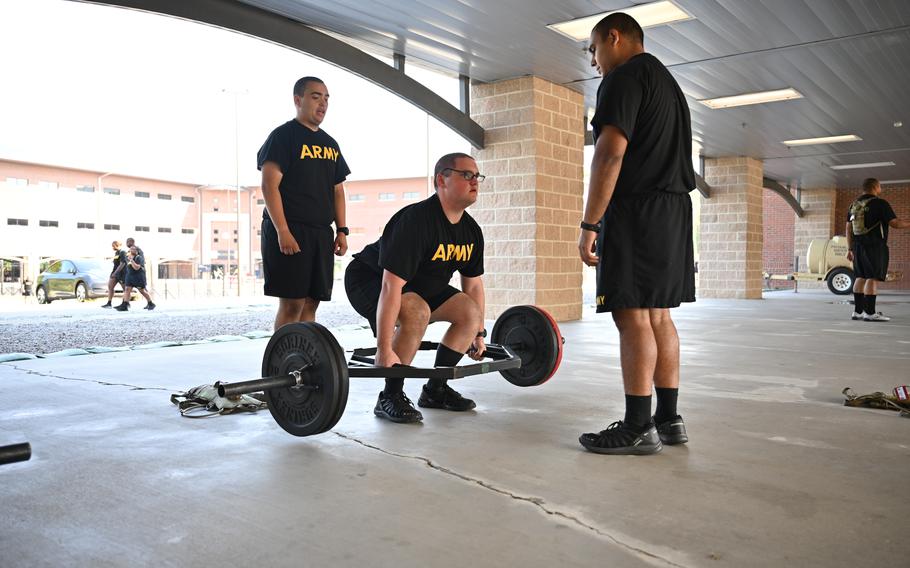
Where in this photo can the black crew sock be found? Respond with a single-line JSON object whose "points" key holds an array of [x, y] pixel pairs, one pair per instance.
{"points": [[393, 386], [666, 404], [638, 410], [870, 304], [858, 302], [445, 357]]}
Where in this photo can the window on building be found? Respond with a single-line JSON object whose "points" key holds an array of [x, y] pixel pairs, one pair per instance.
{"points": [[43, 223], [164, 229], [21, 222], [110, 227], [81, 225], [142, 229], [235, 240], [357, 197], [386, 197], [187, 231], [235, 231], [110, 190], [164, 196], [48, 184], [215, 209], [143, 194], [17, 181], [410, 195], [260, 202], [86, 188], [188, 198], [215, 240]]}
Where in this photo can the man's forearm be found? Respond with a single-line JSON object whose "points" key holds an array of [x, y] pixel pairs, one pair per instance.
{"points": [[340, 207], [274, 206], [386, 316], [604, 173]]}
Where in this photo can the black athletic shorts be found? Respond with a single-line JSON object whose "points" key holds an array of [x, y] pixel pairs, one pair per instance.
{"points": [[646, 253], [306, 274], [363, 286], [870, 261]]}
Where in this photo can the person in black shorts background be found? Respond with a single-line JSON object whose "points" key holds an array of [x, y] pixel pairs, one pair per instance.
{"points": [[639, 218], [868, 221], [135, 278], [117, 273], [302, 182], [403, 279]]}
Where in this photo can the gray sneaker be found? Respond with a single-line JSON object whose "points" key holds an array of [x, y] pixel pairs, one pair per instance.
{"points": [[877, 316], [672, 431], [623, 439], [856, 316]]}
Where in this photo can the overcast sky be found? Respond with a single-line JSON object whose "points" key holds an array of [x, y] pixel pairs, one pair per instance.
{"points": [[109, 89]]}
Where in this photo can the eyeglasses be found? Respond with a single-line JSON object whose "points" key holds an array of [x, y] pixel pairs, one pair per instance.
{"points": [[466, 174]]}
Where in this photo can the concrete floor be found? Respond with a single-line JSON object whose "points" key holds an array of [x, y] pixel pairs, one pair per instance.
{"points": [[777, 473]]}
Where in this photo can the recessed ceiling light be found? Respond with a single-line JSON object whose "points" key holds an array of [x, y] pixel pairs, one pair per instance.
{"points": [[752, 98], [647, 15], [866, 165], [894, 181], [823, 140]]}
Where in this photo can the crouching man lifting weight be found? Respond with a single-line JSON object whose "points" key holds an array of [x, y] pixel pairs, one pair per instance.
{"points": [[401, 284]]}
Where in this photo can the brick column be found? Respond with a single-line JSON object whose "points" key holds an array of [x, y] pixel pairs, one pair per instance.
{"points": [[731, 230], [817, 223], [531, 202]]}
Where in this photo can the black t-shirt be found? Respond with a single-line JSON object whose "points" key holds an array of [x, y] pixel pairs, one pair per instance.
{"points": [[643, 100], [119, 258], [311, 165], [422, 247], [877, 211]]}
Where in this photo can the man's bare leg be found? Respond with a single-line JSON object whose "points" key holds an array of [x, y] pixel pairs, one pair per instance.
{"points": [[670, 426], [293, 310]]}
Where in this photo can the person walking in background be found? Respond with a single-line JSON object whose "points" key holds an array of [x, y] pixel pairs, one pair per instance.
{"points": [[118, 273], [868, 221], [135, 278]]}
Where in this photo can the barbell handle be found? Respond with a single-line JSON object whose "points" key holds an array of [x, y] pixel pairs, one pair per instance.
{"points": [[15, 453]]}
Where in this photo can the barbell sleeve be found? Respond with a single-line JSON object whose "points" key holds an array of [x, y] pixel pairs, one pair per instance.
{"points": [[256, 385], [15, 453]]}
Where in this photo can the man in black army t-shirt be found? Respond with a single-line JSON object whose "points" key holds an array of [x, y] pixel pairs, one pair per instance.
{"points": [[868, 221], [640, 214], [302, 181], [403, 279]]}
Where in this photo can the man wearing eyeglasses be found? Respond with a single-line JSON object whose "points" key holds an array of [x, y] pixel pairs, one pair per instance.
{"points": [[400, 284]]}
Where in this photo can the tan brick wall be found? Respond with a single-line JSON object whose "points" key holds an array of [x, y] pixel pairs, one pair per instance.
{"points": [[531, 201], [731, 230], [818, 223]]}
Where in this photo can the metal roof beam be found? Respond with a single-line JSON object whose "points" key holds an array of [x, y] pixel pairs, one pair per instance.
{"points": [[779, 189], [263, 24]]}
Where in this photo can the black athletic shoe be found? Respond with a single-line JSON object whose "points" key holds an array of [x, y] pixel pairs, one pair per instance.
{"points": [[122, 307], [150, 306], [672, 431], [396, 407], [446, 398], [623, 439], [107, 305]]}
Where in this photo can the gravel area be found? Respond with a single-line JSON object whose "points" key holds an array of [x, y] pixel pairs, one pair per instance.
{"points": [[68, 324]]}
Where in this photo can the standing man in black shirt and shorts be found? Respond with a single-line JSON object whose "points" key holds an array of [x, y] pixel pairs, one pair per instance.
{"points": [[302, 181], [640, 216], [868, 221], [400, 284]]}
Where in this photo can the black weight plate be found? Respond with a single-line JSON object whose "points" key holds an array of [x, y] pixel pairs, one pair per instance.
{"points": [[341, 364], [303, 412], [532, 334]]}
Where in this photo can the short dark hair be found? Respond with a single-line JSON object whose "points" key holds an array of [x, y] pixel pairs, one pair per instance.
{"points": [[869, 184], [447, 162], [300, 85], [621, 22]]}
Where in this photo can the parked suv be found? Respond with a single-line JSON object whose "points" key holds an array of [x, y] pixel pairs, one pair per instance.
{"points": [[82, 279]]}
